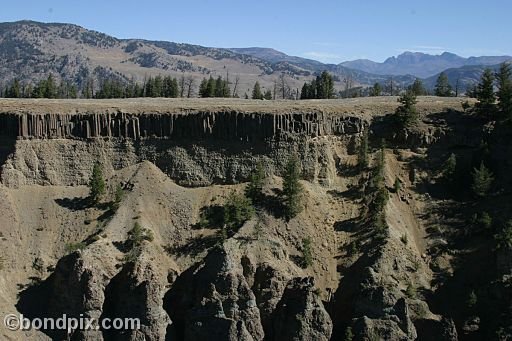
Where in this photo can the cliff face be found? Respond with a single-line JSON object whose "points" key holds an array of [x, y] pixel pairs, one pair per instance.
{"points": [[229, 125], [198, 148]]}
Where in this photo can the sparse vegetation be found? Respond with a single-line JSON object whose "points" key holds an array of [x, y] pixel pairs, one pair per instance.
{"points": [[397, 185], [137, 235], [410, 291], [362, 153], [349, 335], [72, 247]]}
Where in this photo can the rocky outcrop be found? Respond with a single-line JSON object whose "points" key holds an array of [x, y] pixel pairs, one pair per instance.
{"points": [[197, 125], [136, 292], [300, 314], [75, 289], [214, 302]]}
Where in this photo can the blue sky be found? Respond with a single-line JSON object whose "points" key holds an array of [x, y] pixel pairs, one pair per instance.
{"points": [[329, 31]]}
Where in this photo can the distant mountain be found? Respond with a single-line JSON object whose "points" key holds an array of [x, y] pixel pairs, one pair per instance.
{"points": [[29, 51], [421, 64], [466, 76]]}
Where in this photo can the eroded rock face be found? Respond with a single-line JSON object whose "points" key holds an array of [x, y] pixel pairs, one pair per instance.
{"points": [[194, 149], [300, 314], [214, 301], [73, 289], [136, 292]]}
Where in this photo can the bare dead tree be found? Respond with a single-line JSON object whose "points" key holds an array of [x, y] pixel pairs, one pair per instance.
{"points": [[182, 85], [348, 80], [190, 85], [274, 93], [457, 87], [284, 88], [237, 80]]}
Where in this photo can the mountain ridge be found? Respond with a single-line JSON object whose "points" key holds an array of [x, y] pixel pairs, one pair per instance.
{"points": [[30, 50], [421, 64]]}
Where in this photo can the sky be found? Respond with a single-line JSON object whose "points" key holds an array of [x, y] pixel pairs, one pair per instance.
{"points": [[328, 31]]}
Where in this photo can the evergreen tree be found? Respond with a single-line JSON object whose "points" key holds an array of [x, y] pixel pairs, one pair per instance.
{"points": [[219, 87], [292, 188], [203, 88], [482, 181], [504, 94], [268, 95], [443, 87], [210, 87], [504, 237], [237, 210], [406, 112], [485, 92], [256, 91], [15, 90], [96, 183], [449, 168], [376, 90], [417, 88], [254, 189], [51, 87], [325, 86]]}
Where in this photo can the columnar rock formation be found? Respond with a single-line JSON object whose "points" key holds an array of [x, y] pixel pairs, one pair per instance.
{"points": [[229, 125]]}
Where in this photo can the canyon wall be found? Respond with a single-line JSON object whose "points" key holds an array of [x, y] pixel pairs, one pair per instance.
{"points": [[194, 148]]}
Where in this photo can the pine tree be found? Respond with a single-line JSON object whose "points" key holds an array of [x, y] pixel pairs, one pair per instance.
{"points": [[256, 91], [482, 181], [504, 94], [504, 237], [51, 87], [210, 87], [203, 88], [254, 189], [267, 95], [406, 112], [237, 210], [375, 90], [443, 87], [292, 188], [96, 183], [485, 92], [449, 168], [417, 88], [219, 86]]}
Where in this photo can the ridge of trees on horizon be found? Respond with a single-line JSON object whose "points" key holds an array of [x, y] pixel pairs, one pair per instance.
{"points": [[321, 87]]}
